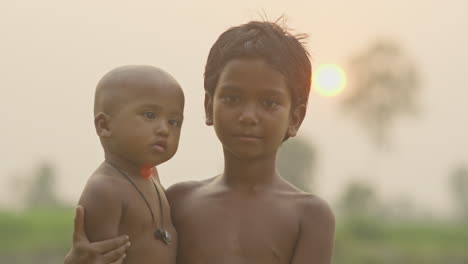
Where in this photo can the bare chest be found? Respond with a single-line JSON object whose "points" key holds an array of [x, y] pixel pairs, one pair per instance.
{"points": [[256, 230], [140, 220], [144, 209]]}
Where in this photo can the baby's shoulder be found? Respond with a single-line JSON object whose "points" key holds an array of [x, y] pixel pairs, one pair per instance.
{"points": [[104, 184]]}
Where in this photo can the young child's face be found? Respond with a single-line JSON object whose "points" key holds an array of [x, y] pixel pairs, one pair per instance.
{"points": [[146, 129], [251, 108]]}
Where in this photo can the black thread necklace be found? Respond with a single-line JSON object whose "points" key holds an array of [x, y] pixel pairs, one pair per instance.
{"points": [[160, 233]]}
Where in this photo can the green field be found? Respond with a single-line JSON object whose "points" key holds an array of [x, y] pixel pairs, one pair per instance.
{"points": [[37, 236], [44, 236], [379, 241]]}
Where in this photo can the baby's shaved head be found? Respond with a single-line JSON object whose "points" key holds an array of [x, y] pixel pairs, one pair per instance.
{"points": [[117, 86]]}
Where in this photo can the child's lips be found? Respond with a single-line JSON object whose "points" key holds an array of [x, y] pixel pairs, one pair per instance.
{"points": [[159, 146], [247, 137]]}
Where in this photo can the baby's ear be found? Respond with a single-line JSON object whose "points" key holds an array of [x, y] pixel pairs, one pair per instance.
{"points": [[296, 118], [208, 109], [101, 123]]}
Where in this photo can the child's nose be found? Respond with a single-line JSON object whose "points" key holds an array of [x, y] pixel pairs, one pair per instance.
{"points": [[162, 128], [248, 115]]}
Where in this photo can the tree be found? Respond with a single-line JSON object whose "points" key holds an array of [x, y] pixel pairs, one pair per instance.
{"points": [[459, 182], [42, 189], [296, 161], [383, 84], [358, 199]]}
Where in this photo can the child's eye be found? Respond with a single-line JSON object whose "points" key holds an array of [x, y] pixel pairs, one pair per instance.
{"points": [[174, 122], [270, 103], [149, 115], [229, 99]]}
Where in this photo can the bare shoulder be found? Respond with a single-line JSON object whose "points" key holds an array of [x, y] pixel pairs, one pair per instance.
{"points": [[308, 205], [183, 189], [102, 200], [317, 228], [180, 188], [102, 184], [315, 208]]}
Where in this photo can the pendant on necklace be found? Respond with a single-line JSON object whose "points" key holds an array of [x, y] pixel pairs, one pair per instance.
{"points": [[163, 235]]}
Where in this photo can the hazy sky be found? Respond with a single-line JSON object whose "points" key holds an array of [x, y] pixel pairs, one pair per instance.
{"points": [[52, 54]]}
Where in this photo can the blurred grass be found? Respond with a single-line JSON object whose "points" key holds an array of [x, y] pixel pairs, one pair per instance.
{"points": [[373, 240], [44, 236], [38, 229]]}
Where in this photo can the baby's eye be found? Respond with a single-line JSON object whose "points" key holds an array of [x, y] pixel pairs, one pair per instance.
{"points": [[174, 122], [149, 115]]}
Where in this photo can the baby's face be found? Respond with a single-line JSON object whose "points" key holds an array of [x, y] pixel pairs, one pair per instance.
{"points": [[146, 127]]}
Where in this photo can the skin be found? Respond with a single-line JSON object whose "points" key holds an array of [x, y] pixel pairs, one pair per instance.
{"points": [[109, 251], [249, 214], [139, 127]]}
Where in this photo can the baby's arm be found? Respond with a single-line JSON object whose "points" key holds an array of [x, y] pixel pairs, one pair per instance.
{"points": [[316, 237], [111, 251], [103, 206]]}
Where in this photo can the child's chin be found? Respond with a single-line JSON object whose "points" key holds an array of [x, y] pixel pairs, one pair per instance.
{"points": [[155, 161], [246, 154]]}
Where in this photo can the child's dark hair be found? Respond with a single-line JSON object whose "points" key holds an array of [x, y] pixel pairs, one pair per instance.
{"points": [[269, 41]]}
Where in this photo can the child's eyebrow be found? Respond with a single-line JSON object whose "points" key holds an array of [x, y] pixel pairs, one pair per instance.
{"points": [[150, 105], [230, 87], [234, 87], [270, 91], [273, 91], [176, 113]]}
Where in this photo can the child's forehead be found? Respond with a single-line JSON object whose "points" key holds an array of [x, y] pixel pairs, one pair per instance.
{"points": [[163, 96], [257, 62], [256, 66], [147, 95], [251, 72]]}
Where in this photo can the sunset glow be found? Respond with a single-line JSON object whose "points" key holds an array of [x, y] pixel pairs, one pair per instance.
{"points": [[328, 80]]}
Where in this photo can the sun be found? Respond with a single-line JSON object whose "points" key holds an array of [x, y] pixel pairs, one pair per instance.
{"points": [[329, 80]]}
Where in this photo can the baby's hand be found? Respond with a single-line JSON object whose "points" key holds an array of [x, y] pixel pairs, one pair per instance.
{"points": [[111, 251]]}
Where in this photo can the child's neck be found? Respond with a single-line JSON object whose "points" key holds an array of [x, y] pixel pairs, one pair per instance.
{"points": [[131, 169], [249, 174]]}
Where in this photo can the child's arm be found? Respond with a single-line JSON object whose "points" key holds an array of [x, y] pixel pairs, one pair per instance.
{"points": [[103, 208], [315, 243], [110, 251]]}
